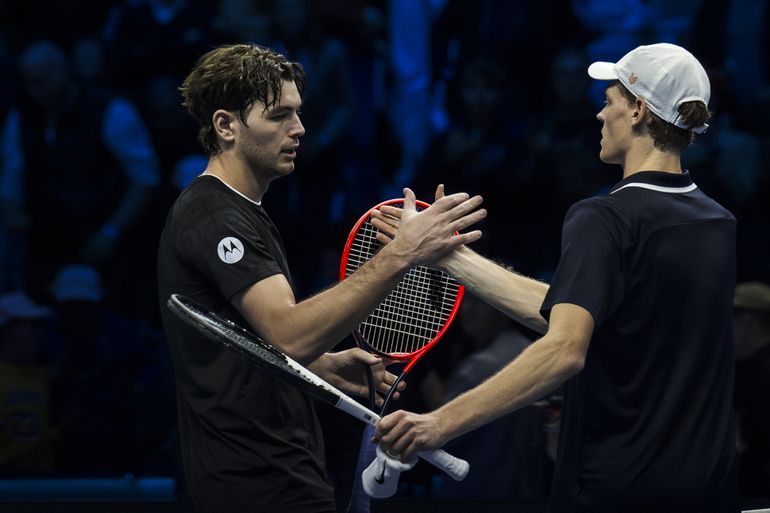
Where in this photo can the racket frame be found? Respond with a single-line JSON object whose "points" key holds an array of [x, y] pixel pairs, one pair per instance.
{"points": [[360, 339]]}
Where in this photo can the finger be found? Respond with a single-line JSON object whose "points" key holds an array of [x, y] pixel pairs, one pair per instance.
{"points": [[387, 423], [409, 200], [466, 207], [439, 192], [384, 227], [404, 440], [383, 388], [464, 222], [465, 238], [390, 211], [365, 357], [447, 203], [408, 453], [383, 239]]}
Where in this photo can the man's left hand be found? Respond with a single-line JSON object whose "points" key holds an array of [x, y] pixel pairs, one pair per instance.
{"points": [[346, 370]]}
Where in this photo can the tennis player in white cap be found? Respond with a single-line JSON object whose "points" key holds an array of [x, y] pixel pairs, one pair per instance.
{"points": [[637, 321]]}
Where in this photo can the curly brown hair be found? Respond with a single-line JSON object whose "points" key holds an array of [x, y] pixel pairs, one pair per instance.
{"points": [[234, 78], [667, 136]]}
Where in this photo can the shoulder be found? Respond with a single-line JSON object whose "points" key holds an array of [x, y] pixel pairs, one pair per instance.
{"points": [[205, 197], [599, 209]]}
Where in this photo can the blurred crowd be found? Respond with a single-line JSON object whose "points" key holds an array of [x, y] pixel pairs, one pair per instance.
{"points": [[485, 96]]}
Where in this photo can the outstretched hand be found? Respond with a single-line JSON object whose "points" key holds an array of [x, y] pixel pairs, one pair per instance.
{"points": [[388, 218], [346, 370], [430, 233]]}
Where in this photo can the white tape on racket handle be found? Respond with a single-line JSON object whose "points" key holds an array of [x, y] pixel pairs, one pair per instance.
{"points": [[455, 467]]}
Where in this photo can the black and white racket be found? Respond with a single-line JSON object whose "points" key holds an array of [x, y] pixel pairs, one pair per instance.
{"points": [[271, 360]]}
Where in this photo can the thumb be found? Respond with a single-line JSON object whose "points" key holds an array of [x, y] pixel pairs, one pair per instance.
{"points": [[365, 357], [409, 200], [439, 191]]}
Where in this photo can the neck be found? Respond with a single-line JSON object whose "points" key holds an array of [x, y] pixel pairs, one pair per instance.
{"points": [[644, 156], [237, 175]]}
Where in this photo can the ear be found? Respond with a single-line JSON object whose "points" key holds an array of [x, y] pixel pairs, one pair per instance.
{"points": [[640, 112], [225, 123]]}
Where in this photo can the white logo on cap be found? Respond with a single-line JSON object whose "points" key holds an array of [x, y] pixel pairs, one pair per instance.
{"points": [[230, 250]]}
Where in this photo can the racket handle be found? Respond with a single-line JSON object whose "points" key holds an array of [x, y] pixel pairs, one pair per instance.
{"points": [[455, 467]]}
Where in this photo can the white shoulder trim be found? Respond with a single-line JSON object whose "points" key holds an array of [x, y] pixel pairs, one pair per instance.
{"points": [[257, 203], [658, 188]]}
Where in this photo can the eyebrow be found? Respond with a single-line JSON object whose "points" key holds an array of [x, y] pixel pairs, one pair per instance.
{"points": [[282, 109]]}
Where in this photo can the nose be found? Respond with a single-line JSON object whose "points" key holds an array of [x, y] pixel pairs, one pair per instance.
{"points": [[296, 129], [600, 115]]}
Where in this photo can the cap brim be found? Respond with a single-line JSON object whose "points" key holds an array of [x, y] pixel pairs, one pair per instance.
{"points": [[602, 71]]}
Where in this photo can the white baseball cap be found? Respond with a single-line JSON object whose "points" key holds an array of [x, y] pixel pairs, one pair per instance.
{"points": [[665, 75]]}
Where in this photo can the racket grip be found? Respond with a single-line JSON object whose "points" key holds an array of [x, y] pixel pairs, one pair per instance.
{"points": [[456, 468]]}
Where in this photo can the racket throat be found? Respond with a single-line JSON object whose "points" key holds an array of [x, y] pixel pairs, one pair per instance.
{"points": [[392, 391]]}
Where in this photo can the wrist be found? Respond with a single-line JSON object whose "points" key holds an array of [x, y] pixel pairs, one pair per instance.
{"points": [[452, 261], [400, 259]]}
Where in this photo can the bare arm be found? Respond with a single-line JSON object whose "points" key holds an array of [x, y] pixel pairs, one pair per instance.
{"points": [[517, 296], [307, 329], [541, 368]]}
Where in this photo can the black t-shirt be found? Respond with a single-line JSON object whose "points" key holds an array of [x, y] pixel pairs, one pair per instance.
{"points": [[648, 423], [249, 442]]}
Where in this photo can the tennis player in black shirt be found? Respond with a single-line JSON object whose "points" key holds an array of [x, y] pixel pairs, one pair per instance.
{"points": [[250, 443], [637, 320]]}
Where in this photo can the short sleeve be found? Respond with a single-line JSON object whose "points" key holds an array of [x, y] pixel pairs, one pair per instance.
{"points": [[229, 247], [590, 271]]}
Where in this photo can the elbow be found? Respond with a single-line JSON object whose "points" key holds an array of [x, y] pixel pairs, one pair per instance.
{"points": [[295, 349], [573, 363], [570, 357], [299, 349]]}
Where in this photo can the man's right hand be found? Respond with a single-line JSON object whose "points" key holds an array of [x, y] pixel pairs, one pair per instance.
{"points": [[426, 236]]}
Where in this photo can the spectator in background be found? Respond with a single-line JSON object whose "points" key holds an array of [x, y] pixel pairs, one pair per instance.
{"points": [[10, 256], [410, 28], [560, 158], [148, 39], [323, 155], [477, 153], [26, 432], [94, 395], [751, 326], [78, 169]]}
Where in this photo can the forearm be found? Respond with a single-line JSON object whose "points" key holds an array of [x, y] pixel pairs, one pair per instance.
{"points": [[540, 369], [515, 295], [307, 329]]}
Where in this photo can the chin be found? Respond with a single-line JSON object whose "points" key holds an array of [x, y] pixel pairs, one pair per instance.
{"points": [[285, 170]]}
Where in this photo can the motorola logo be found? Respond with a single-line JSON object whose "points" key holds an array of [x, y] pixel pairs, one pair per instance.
{"points": [[230, 250]]}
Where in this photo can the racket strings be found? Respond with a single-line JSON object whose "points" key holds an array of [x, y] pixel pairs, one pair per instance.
{"points": [[413, 314]]}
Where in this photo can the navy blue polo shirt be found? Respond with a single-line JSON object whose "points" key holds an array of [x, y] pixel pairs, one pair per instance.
{"points": [[648, 423]]}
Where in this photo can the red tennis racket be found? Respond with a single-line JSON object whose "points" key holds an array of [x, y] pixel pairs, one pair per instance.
{"points": [[414, 316], [404, 326]]}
